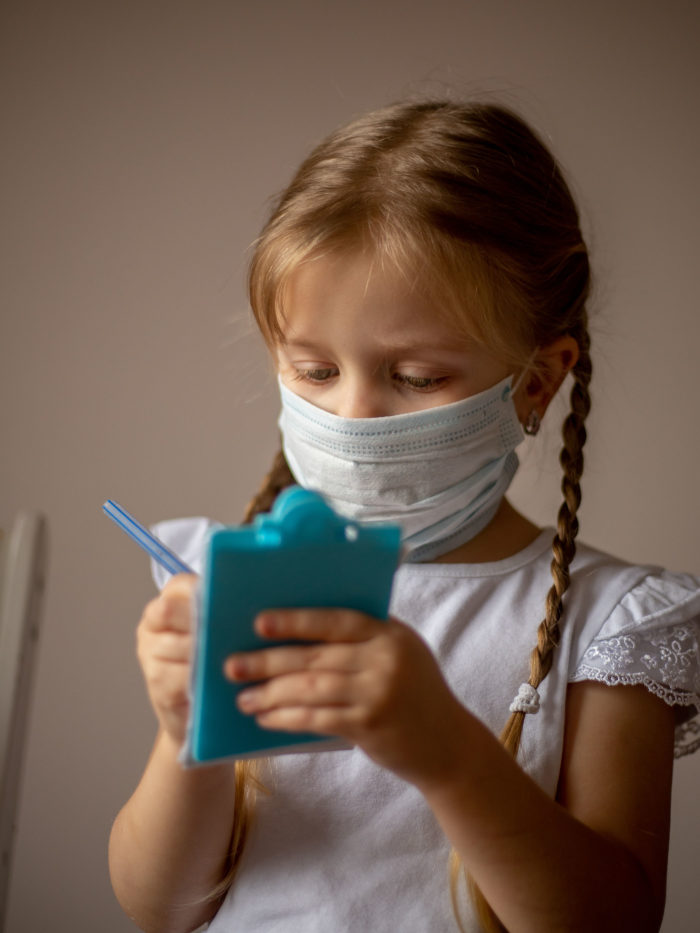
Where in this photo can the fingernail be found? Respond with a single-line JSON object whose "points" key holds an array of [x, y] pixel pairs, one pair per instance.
{"points": [[247, 700], [268, 624], [236, 668]]}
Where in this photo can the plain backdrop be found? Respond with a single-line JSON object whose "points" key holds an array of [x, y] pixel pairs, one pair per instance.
{"points": [[142, 142]]}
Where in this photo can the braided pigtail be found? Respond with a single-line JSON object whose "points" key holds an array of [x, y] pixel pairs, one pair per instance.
{"points": [[563, 549], [564, 544], [278, 478]]}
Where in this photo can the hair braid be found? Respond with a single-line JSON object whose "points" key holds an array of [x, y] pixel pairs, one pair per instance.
{"points": [[564, 550], [277, 479]]}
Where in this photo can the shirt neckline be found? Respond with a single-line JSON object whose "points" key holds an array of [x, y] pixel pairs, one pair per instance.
{"points": [[528, 555]]}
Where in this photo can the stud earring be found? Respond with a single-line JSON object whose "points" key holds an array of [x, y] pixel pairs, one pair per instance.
{"points": [[532, 423]]}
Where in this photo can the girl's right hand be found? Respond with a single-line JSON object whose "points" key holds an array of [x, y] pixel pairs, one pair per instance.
{"points": [[164, 648]]}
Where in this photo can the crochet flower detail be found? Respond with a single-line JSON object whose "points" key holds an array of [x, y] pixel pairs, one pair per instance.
{"points": [[527, 700]]}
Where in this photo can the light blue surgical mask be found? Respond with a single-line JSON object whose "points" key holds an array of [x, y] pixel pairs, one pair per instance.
{"points": [[439, 473]]}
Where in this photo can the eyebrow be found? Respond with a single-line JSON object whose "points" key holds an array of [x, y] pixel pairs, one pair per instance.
{"points": [[408, 348], [423, 346]]}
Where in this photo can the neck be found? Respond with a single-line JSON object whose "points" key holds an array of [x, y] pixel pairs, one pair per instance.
{"points": [[506, 534]]}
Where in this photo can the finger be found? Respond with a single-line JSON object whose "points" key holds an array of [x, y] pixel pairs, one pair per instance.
{"points": [[181, 583], [168, 685], [332, 721], [309, 688], [272, 662], [331, 625], [172, 609], [165, 646]]}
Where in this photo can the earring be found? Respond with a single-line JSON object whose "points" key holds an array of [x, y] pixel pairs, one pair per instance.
{"points": [[532, 423]]}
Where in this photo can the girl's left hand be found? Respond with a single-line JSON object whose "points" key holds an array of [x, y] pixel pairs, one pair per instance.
{"points": [[375, 684]]}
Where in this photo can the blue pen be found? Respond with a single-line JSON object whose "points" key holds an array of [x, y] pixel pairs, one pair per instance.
{"points": [[143, 537]]}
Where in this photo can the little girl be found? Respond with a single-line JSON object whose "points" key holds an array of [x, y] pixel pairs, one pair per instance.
{"points": [[422, 289]]}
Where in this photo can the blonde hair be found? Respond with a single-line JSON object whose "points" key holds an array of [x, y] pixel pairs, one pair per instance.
{"points": [[469, 203]]}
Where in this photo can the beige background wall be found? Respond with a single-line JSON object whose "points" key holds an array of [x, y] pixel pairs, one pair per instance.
{"points": [[141, 142]]}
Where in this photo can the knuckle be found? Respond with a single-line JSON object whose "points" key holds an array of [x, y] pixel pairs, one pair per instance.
{"points": [[175, 645], [312, 681], [169, 604], [306, 718], [185, 643], [388, 659], [314, 656], [151, 605], [150, 613], [144, 648], [378, 702], [356, 617], [324, 721], [402, 636], [375, 713], [173, 695], [155, 674], [177, 700]]}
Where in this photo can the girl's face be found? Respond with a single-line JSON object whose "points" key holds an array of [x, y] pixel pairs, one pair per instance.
{"points": [[359, 342]]}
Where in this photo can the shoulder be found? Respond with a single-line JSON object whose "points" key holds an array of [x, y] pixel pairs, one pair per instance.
{"points": [[639, 626], [609, 597]]}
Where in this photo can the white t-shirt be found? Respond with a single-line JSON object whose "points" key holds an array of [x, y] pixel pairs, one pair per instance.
{"points": [[340, 844]]}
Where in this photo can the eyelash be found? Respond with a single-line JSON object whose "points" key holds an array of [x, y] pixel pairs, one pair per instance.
{"points": [[415, 383], [420, 383], [314, 376]]}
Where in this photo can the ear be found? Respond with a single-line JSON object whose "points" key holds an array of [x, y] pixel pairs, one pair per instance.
{"points": [[545, 374]]}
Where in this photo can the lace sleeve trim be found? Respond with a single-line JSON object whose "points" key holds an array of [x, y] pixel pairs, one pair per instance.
{"points": [[666, 661]]}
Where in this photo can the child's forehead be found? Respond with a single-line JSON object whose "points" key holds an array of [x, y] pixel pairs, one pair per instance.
{"points": [[360, 290], [364, 269], [369, 278]]}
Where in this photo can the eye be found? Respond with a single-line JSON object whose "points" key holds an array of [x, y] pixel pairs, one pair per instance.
{"points": [[420, 383], [316, 375]]}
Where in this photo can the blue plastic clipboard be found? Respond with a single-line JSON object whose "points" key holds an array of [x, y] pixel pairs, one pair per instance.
{"points": [[300, 555]]}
